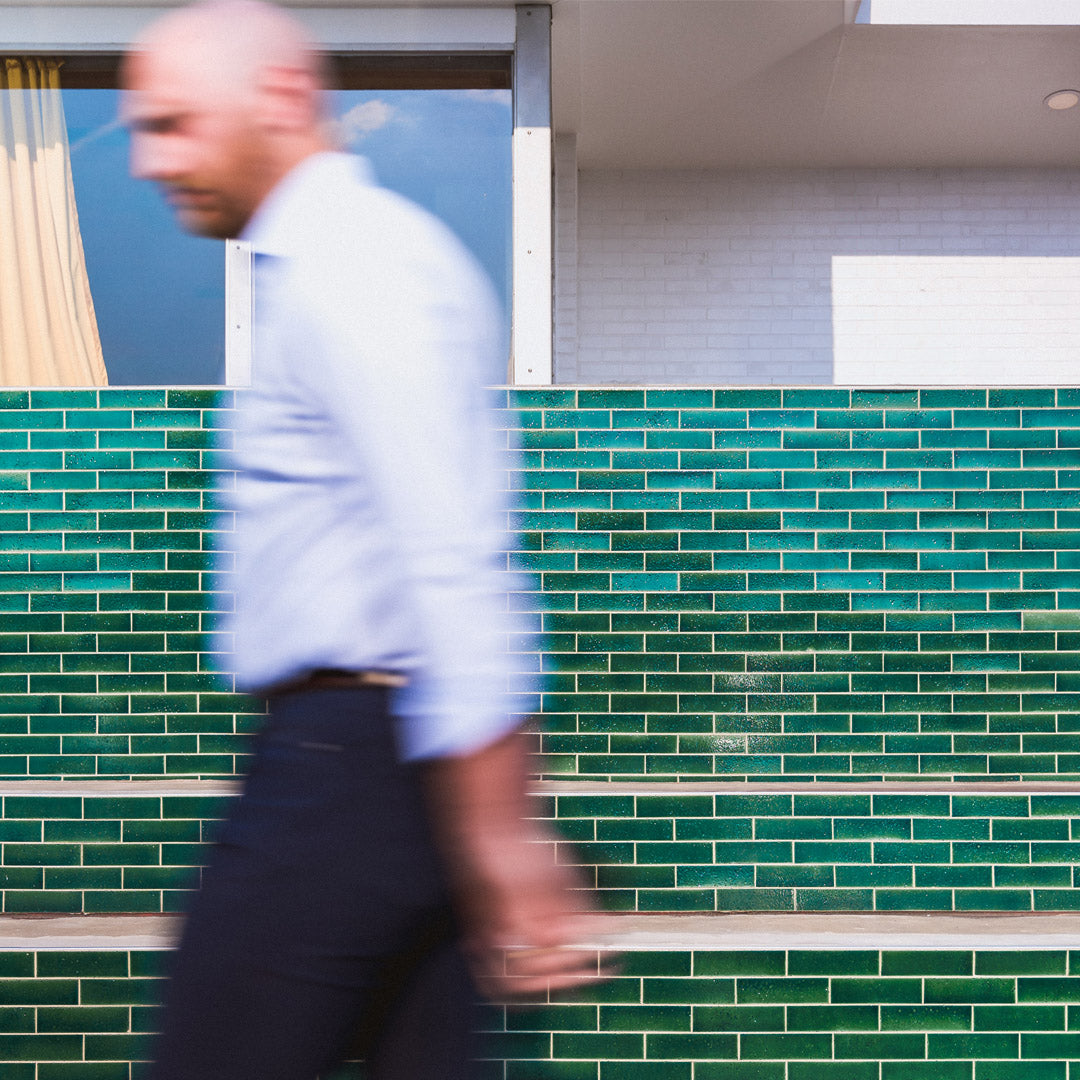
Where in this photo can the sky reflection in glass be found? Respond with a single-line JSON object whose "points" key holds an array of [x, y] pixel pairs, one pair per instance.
{"points": [[159, 294]]}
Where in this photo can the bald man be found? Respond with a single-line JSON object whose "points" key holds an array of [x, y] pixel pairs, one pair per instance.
{"points": [[382, 835]]}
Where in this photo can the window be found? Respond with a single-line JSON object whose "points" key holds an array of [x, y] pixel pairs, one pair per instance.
{"points": [[436, 127]]}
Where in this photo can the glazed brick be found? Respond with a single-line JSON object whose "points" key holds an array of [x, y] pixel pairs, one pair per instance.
{"points": [[780, 851], [85, 1000], [920, 699]]}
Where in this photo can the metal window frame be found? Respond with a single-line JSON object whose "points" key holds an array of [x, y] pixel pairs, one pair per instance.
{"points": [[523, 30]]}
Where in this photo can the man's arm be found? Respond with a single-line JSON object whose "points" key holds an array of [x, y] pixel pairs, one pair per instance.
{"points": [[523, 911], [401, 380]]}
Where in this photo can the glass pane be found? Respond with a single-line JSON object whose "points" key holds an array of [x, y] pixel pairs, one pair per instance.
{"points": [[450, 152], [159, 294]]}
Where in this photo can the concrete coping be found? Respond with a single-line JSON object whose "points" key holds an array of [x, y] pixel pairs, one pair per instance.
{"points": [[122, 788], [182, 787], [817, 787], [841, 930], [633, 933]]}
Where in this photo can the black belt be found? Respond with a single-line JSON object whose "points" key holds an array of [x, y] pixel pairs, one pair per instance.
{"points": [[340, 679]]}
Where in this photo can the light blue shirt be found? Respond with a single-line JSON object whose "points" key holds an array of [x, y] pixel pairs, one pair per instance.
{"points": [[370, 528]]}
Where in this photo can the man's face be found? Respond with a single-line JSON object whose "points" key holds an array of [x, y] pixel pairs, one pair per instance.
{"points": [[196, 137]]}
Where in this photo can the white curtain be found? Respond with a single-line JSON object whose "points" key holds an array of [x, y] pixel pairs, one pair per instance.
{"points": [[48, 332]]}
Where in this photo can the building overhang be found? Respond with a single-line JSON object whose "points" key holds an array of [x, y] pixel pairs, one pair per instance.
{"points": [[731, 84]]}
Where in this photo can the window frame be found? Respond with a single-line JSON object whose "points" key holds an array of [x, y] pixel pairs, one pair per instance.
{"points": [[92, 34]]}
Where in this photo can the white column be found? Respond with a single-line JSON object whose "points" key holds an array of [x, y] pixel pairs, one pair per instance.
{"points": [[237, 313], [532, 265]]}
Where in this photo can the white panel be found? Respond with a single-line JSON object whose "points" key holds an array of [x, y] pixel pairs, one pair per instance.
{"points": [[237, 313], [76, 27], [532, 256], [532, 214], [974, 12], [953, 319]]}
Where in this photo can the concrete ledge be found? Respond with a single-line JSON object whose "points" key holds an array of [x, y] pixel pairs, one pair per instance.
{"points": [[635, 933], [831, 787], [127, 788], [29, 933], [161, 787], [840, 930]]}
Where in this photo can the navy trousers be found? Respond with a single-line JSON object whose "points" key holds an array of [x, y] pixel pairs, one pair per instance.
{"points": [[323, 930]]}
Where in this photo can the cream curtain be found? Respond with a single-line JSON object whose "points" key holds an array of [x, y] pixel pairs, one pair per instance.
{"points": [[48, 332]]}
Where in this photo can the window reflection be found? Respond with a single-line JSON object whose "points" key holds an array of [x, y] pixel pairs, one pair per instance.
{"points": [[159, 294]]}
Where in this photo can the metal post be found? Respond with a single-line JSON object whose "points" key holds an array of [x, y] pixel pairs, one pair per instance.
{"points": [[532, 246], [237, 313]]}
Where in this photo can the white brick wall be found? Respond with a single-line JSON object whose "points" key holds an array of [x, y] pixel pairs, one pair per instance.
{"points": [[706, 277], [566, 252]]}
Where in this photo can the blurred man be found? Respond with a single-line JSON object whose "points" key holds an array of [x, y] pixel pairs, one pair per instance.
{"points": [[383, 822]]}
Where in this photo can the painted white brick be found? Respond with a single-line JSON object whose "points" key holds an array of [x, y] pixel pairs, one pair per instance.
{"points": [[730, 275]]}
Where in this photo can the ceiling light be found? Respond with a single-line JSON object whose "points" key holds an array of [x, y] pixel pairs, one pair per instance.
{"points": [[1062, 99]]}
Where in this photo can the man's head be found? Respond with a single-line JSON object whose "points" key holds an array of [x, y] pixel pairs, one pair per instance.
{"points": [[222, 99]]}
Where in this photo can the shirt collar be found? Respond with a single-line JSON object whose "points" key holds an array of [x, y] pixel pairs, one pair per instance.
{"points": [[298, 201]]}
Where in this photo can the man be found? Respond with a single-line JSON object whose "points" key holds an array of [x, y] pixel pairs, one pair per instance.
{"points": [[383, 821]]}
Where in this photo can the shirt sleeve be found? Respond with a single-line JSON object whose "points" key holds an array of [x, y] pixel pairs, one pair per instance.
{"points": [[405, 350]]}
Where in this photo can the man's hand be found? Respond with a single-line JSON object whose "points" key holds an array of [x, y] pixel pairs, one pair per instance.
{"points": [[524, 913], [526, 916]]}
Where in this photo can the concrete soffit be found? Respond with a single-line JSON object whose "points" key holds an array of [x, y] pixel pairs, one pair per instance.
{"points": [[662, 84]]}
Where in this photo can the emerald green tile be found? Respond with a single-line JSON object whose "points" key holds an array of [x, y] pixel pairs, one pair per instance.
{"points": [[83, 1070], [832, 1017], [832, 962], [15, 1048], [879, 1045], [82, 1018], [926, 1017], [739, 963], [1019, 1018], [737, 1018], [791, 990], [939, 991], [1049, 1045], [930, 1070], [1047, 989], [833, 1070], [739, 1070], [973, 1045], [644, 1018], [1015, 1070], [883, 990], [646, 1070], [785, 1047], [589, 1045], [15, 991]]}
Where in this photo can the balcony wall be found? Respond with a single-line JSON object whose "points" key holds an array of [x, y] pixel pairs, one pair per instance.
{"points": [[811, 654]]}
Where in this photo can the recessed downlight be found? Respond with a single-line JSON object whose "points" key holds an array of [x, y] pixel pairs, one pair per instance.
{"points": [[1062, 99]]}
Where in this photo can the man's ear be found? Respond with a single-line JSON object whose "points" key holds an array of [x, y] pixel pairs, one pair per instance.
{"points": [[288, 99]]}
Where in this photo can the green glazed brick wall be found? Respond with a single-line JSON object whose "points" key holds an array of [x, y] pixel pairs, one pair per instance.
{"points": [[797, 1015], [827, 852], [105, 514], [807, 1015], [807, 583], [798, 583], [782, 585], [644, 852], [102, 854]]}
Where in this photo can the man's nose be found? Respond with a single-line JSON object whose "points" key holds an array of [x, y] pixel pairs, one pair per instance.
{"points": [[150, 158]]}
